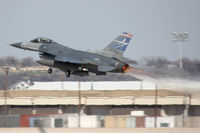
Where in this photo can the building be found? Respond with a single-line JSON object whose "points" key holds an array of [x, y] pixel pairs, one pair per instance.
{"points": [[126, 98]]}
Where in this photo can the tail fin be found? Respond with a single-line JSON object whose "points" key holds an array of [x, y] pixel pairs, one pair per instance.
{"points": [[118, 46]]}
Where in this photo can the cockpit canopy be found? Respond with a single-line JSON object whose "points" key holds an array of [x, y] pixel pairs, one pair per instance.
{"points": [[42, 40]]}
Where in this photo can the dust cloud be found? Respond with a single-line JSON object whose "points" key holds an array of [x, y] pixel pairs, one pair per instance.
{"points": [[177, 80]]}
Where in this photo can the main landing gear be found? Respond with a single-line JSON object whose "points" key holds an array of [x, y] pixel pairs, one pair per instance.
{"points": [[68, 73], [50, 71]]}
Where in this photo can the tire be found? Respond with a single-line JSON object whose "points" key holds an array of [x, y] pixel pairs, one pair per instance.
{"points": [[68, 73], [50, 71]]}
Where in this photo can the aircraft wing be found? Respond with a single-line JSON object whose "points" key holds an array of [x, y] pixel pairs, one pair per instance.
{"points": [[69, 59], [101, 68], [62, 58]]}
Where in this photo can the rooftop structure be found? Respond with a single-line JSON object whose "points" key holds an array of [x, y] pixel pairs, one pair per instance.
{"points": [[97, 97], [97, 85]]}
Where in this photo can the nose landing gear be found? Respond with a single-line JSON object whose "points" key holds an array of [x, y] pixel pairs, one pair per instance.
{"points": [[68, 73]]}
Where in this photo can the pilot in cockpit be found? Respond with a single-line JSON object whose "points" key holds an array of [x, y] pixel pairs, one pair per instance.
{"points": [[41, 40]]}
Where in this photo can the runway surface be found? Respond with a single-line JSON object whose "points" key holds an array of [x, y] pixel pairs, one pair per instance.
{"points": [[100, 130]]}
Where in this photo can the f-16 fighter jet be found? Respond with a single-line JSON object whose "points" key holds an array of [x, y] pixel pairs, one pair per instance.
{"points": [[71, 61]]}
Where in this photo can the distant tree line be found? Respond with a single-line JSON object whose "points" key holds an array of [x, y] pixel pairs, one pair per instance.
{"points": [[192, 66], [13, 61]]}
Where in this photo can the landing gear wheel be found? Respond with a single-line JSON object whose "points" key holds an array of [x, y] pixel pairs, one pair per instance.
{"points": [[50, 71], [68, 73]]}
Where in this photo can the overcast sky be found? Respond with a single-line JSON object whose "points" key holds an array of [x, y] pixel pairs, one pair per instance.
{"points": [[93, 24]]}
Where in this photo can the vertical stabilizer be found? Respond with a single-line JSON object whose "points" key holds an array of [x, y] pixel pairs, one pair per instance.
{"points": [[119, 45]]}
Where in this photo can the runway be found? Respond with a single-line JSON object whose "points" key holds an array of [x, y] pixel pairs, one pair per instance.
{"points": [[99, 130]]}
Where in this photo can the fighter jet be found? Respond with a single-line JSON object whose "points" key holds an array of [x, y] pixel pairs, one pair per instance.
{"points": [[81, 63]]}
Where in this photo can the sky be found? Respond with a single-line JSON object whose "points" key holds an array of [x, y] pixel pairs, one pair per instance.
{"points": [[93, 24]]}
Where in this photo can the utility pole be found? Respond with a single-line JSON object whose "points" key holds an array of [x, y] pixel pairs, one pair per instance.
{"points": [[180, 37], [79, 104], [156, 107], [187, 101], [5, 98]]}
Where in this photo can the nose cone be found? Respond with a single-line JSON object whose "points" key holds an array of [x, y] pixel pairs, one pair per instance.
{"points": [[17, 45]]}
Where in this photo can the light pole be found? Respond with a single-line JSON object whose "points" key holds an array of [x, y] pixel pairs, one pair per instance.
{"points": [[180, 37], [79, 104]]}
